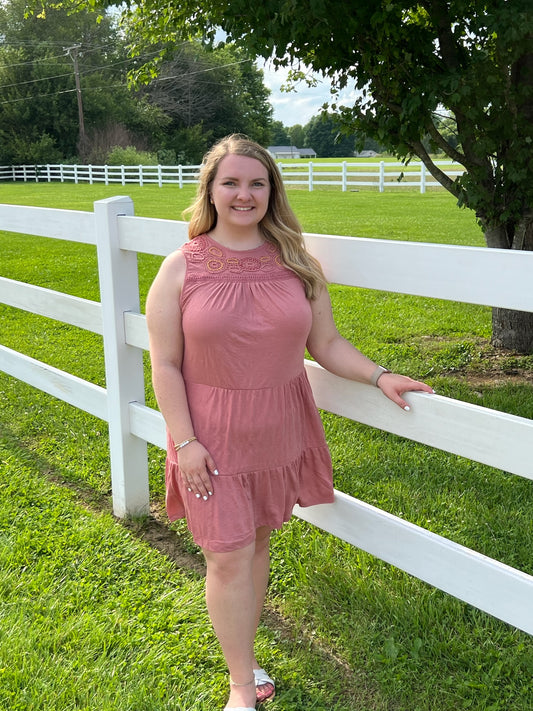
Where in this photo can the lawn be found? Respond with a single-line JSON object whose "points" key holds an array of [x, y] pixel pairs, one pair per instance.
{"points": [[95, 616]]}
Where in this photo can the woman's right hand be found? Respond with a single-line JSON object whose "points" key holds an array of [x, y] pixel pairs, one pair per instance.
{"points": [[196, 466]]}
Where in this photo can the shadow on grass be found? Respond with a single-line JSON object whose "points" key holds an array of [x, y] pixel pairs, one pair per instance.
{"points": [[309, 673]]}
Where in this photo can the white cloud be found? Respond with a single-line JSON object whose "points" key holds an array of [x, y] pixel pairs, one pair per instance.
{"points": [[301, 104]]}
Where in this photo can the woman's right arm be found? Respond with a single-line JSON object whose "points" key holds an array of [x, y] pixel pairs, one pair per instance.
{"points": [[163, 317]]}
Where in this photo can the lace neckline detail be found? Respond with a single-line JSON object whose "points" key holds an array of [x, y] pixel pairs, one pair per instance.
{"points": [[203, 251]]}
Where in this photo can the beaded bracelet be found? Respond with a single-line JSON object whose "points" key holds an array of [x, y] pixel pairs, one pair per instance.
{"points": [[376, 375], [185, 442]]}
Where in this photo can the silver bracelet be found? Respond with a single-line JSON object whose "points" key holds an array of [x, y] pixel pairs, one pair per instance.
{"points": [[185, 442], [376, 375]]}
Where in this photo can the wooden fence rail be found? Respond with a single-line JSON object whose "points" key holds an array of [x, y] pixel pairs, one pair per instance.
{"points": [[495, 438], [346, 175]]}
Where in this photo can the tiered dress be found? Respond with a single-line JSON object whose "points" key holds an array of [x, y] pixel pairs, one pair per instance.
{"points": [[245, 321]]}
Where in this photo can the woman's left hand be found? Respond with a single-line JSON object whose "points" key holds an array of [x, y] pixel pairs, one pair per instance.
{"points": [[394, 386]]}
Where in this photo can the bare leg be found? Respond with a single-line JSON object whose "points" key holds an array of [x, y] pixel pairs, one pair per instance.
{"points": [[261, 570], [261, 573], [232, 607]]}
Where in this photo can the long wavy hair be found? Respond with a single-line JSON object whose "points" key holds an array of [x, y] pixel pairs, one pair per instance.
{"points": [[279, 226]]}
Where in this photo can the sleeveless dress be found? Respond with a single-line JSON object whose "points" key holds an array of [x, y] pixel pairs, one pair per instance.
{"points": [[245, 321]]}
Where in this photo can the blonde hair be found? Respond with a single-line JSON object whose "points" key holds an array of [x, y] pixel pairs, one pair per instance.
{"points": [[279, 226]]}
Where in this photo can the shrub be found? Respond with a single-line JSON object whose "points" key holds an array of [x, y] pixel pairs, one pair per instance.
{"points": [[130, 156]]}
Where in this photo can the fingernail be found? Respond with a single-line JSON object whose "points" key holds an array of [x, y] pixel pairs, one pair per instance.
{"points": [[407, 408], [197, 496], [189, 488], [205, 498], [210, 493], [215, 472]]}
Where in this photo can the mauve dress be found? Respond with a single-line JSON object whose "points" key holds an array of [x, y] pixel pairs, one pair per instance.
{"points": [[246, 321]]}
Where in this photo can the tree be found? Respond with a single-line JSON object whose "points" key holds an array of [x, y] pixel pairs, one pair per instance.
{"points": [[39, 112], [408, 60], [323, 135], [207, 93], [279, 134], [297, 135]]}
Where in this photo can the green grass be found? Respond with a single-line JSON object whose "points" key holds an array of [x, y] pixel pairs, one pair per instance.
{"points": [[93, 617]]}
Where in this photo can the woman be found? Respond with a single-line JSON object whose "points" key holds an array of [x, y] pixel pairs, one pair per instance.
{"points": [[229, 316]]}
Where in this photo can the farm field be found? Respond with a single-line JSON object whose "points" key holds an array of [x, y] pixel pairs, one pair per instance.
{"points": [[98, 614]]}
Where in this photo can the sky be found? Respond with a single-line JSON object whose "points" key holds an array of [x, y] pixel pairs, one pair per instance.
{"points": [[297, 107]]}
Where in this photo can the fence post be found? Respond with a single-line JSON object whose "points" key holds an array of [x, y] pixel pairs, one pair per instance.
{"points": [[119, 292], [382, 176], [422, 177], [310, 176], [344, 177], [141, 176]]}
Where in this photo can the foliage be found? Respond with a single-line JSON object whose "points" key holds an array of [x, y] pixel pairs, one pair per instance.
{"points": [[201, 93], [279, 135], [39, 116], [130, 156], [322, 134], [207, 93], [406, 60], [42, 149], [297, 135]]}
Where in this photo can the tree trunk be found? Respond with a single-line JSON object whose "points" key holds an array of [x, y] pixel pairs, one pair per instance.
{"points": [[512, 330]]}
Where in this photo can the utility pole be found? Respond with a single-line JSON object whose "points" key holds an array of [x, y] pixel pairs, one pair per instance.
{"points": [[72, 52]]}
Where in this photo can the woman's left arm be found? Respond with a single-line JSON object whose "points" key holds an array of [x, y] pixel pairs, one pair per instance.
{"points": [[339, 356]]}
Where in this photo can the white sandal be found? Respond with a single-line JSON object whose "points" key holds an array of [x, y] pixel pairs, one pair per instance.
{"points": [[261, 679]]}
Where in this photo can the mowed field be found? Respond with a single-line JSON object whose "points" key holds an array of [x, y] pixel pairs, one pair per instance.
{"points": [[102, 614]]}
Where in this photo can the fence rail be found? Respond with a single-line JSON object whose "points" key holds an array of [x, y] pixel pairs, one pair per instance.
{"points": [[347, 175], [496, 438]]}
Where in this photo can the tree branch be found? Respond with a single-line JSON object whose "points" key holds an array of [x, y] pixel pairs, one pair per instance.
{"points": [[446, 182], [441, 142]]}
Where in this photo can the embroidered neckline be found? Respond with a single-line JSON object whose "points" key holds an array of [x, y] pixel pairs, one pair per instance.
{"points": [[203, 250]]}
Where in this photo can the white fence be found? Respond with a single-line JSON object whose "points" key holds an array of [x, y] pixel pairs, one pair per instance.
{"points": [[474, 275], [108, 174], [346, 175]]}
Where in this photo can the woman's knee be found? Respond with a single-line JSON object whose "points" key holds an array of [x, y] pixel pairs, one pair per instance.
{"points": [[230, 565]]}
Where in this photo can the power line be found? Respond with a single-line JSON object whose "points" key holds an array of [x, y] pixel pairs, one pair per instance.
{"points": [[32, 61], [34, 81], [83, 72], [158, 79], [37, 96]]}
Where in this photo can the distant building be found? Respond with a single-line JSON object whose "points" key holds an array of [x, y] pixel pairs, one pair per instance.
{"points": [[281, 152]]}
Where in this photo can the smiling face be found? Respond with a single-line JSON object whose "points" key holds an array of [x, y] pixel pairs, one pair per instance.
{"points": [[240, 192]]}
